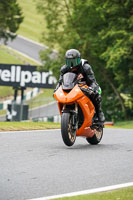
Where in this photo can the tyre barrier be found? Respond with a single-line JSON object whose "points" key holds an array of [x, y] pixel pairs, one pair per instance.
{"points": [[55, 119]]}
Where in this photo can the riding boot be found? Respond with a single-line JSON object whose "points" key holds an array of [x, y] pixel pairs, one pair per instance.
{"points": [[97, 104], [99, 113]]}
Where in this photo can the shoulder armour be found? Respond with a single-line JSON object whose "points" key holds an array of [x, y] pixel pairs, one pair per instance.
{"points": [[83, 61], [63, 69]]}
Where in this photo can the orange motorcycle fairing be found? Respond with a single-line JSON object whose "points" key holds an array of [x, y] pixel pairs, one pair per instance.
{"points": [[88, 112], [77, 96], [68, 98]]}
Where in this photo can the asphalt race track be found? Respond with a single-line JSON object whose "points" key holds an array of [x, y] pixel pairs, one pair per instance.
{"points": [[27, 47], [36, 164]]}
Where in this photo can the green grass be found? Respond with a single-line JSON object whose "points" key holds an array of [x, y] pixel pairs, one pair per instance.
{"points": [[45, 97], [2, 112], [122, 194], [33, 24], [123, 124], [6, 91], [8, 58], [17, 126]]}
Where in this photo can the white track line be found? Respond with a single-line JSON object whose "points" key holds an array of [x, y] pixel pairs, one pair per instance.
{"points": [[45, 130], [102, 189], [34, 42]]}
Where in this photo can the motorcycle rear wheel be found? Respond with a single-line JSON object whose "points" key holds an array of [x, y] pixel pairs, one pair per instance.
{"points": [[96, 138], [67, 132]]}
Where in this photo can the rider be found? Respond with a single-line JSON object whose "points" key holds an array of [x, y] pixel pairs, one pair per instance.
{"points": [[81, 67]]}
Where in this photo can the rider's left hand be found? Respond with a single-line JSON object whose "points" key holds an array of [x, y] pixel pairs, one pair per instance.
{"points": [[80, 76]]}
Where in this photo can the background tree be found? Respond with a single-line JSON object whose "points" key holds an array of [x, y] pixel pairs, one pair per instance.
{"points": [[10, 19], [102, 31]]}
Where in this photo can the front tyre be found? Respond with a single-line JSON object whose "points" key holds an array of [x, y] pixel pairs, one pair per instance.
{"points": [[67, 131], [96, 138]]}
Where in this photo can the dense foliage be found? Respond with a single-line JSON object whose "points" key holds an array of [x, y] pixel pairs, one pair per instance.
{"points": [[10, 18], [102, 30]]}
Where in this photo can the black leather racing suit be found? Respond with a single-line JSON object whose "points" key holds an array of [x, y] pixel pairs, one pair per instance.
{"points": [[85, 69]]}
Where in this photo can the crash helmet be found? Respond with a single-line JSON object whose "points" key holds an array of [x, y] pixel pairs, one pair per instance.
{"points": [[72, 57]]}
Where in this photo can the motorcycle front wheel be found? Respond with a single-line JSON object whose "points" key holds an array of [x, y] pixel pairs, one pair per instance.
{"points": [[67, 131], [96, 138]]}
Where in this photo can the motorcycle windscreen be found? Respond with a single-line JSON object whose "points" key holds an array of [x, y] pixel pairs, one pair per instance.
{"points": [[69, 81]]}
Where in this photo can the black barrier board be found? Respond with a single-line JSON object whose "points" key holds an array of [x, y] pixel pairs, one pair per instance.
{"points": [[25, 76]]}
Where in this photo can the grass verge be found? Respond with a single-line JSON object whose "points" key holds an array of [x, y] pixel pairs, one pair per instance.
{"points": [[123, 124], [5, 92], [2, 112], [121, 194], [17, 126], [10, 56], [20, 126], [7, 57]]}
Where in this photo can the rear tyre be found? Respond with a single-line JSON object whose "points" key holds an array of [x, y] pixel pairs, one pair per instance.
{"points": [[96, 138], [67, 131]]}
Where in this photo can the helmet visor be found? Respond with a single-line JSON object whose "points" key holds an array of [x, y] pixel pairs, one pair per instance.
{"points": [[72, 62]]}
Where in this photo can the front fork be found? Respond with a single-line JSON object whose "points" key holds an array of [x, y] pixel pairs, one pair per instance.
{"points": [[75, 117], [74, 114]]}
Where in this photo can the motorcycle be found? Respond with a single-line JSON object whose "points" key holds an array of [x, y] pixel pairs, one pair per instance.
{"points": [[77, 111]]}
